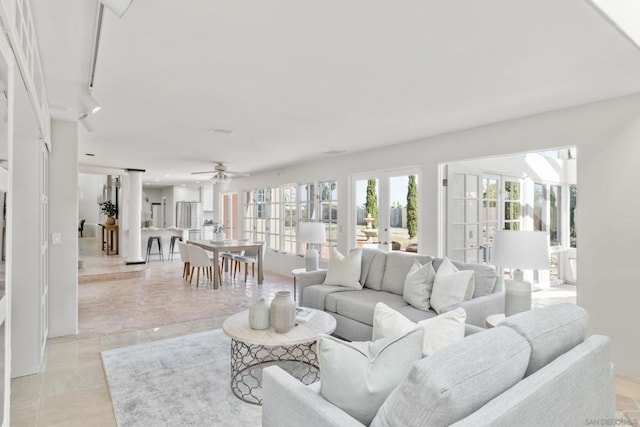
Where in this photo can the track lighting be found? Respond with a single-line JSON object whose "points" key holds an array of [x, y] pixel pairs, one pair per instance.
{"points": [[119, 7], [90, 104]]}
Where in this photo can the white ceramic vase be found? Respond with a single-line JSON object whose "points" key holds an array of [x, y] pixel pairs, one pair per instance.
{"points": [[282, 313], [259, 315]]}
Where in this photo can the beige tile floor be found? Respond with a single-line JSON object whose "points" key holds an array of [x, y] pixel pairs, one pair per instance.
{"points": [[125, 306]]}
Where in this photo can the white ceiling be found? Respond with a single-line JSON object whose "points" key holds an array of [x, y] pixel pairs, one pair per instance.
{"points": [[293, 79]]}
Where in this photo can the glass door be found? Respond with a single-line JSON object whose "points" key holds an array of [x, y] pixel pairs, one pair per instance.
{"points": [[386, 207], [463, 215]]}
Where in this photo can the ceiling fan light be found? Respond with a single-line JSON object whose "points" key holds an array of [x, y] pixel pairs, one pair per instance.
{"points": [[119, 7]]}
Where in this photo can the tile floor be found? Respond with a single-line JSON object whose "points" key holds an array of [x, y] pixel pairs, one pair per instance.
{"points": [[120, 306]]}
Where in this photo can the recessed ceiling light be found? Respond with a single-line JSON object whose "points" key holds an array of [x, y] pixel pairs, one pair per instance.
{"points": [[334, 152], [167, 176], [89, 154], [156, 180]]}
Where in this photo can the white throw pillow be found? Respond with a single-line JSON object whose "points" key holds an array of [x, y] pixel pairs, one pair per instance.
{"points": [[451, 286], [418, 285], [344, 271], [359, 376], [439, 331]]}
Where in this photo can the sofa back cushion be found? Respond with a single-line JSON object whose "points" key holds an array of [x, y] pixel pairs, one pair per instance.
{"points": [[396, 269], [551, 331], [485, 277], [373, 264], [457, 380]]}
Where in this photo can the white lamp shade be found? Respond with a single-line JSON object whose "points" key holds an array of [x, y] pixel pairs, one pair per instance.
{"points": [[526, 250], [119, 7], [311, 232]]}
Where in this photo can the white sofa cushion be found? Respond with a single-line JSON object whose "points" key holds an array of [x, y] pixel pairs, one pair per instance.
{"points": [[451, 286], [439, 331], [418, 285], [344, 271], [358, 376]]}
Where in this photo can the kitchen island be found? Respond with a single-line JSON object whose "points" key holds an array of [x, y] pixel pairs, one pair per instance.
{"points": [[165, 235]]}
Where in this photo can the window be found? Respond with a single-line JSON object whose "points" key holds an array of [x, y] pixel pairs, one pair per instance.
{"points": [[290, 218], [512, 205], [271, 214], [329, 215], [539, 207], [572, 218], [274, 218], [555, 225]]}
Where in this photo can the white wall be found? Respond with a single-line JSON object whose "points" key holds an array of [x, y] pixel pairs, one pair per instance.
{"points": [[604, 133], [63, 219]]}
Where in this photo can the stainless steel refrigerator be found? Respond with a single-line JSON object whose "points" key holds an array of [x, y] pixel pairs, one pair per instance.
{"points": [[189, 217]]}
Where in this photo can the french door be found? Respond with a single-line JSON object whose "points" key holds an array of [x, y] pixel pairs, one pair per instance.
{"points": [[385, 206], [478, 204]]}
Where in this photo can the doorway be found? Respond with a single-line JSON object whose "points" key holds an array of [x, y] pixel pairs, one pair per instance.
{"points": [[385, 206], [528, 191], [230, 212]]}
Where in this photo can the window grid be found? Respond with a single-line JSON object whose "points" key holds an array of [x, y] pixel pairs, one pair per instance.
{"points": [[273, 214]]}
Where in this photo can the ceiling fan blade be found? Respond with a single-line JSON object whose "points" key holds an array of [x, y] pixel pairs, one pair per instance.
{"points": [[201, 173], [236, 173]]}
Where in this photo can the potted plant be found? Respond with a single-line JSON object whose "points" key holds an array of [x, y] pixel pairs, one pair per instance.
{"points": [[110, 210]]}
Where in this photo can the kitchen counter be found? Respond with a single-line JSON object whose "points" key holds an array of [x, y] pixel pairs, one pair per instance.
{"points": [[165, 236]]}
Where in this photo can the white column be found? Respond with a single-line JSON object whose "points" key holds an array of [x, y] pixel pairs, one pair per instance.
{"points": [[135, 216]]}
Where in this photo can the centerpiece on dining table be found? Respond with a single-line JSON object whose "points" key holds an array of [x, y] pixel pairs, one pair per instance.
{"points": [[218, 232]]}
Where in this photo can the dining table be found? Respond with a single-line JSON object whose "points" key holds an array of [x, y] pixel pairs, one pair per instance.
{"points": [[217, 247]]}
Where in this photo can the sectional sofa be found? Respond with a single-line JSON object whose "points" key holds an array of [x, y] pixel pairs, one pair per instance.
{"points": [[383, 277], [534, 369]]}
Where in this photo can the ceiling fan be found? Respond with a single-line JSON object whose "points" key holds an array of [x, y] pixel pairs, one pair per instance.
{"points": [[220, 174]]}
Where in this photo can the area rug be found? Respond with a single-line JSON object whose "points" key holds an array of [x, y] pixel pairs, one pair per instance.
{"points": [[181, 381]]}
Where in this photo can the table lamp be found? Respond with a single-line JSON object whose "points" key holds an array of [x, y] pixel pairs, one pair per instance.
{"points": [[528, 250], [314, 234]]}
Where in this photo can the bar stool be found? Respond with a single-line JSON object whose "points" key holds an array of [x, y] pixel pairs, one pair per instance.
{"points": [[150, 241], [172, 245]]}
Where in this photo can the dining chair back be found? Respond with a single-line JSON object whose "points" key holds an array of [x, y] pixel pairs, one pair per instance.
{"points": [[250, 257], [184, 257], [199, 259]]}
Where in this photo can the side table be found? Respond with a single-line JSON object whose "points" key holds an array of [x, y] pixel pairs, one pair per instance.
{"points": [[296, 272], [494, 320]]}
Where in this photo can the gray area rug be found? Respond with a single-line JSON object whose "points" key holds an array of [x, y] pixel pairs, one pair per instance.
{"points": [[181, 381]]}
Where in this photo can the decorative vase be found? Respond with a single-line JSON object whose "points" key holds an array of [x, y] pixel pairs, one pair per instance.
{"points": [[282, 314], [219, 237], [259, 315], [111, 220]]}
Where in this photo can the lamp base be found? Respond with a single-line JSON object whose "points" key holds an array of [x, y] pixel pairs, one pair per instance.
{"points": [[517, 295], [311, 260]]}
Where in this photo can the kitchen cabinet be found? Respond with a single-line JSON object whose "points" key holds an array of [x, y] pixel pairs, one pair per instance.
{"points": [[207, 199]]}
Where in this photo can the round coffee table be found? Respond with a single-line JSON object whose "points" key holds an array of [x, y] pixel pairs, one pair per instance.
{"points": [[253, 350]]}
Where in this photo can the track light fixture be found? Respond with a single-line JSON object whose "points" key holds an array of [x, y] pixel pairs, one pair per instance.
{"points": [[90, 104], [119, 7]]}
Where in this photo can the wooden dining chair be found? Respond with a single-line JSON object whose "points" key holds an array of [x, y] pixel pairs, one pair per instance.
{"points": [[184, 257], [198, 258]]}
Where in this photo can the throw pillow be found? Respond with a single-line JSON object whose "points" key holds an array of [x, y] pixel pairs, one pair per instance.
{"points": [[451, 286], [344, 271], [358, 376], [418, 285], [439, 331]]}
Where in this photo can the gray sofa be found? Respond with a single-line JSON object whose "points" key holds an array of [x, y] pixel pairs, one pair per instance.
{"points": [[534, 369], [383, 275]]}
